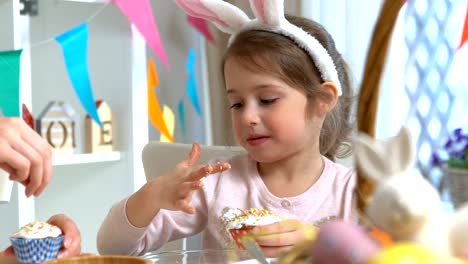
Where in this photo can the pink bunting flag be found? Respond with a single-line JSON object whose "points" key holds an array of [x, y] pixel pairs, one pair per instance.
{"points": [[140, 14], [465, 31], [202, 26]]}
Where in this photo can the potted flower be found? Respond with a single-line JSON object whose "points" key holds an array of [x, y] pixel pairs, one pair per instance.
{"points": [[453, 159]]}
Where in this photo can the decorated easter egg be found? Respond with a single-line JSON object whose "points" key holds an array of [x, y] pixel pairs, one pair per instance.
{"points": [[406, 253], [342, 242]]}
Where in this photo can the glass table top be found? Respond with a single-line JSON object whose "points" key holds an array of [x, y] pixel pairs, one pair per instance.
{"points": [[206, 256]]}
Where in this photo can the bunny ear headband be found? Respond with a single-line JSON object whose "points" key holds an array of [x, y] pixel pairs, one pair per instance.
{"points": [[269, 17]]}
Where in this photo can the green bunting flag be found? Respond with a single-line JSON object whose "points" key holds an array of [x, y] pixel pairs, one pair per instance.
{"points": [[9, 82]]}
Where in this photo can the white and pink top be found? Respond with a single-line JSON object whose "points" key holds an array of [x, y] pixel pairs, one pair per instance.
{"points": [[332, 196]]}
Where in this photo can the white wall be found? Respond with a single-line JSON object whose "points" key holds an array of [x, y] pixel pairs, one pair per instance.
{"points": [[86, 191]]}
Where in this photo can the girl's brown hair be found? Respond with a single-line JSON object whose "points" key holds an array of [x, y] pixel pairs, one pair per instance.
{"points": [[278, 55]]}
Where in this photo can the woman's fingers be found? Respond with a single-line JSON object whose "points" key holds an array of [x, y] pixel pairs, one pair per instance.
{"points": [[44, 152], [26, 155], [14, 163], [72, 240], [9, 251], [36, 166]]}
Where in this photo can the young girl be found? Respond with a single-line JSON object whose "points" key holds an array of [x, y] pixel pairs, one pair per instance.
{"points": [[289, 91]]}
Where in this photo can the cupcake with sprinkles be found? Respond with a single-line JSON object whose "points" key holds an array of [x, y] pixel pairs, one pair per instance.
{"points": [[37, 242], [239, 222]]}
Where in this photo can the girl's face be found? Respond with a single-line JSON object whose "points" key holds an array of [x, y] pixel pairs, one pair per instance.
{"points": [[271, 119]]}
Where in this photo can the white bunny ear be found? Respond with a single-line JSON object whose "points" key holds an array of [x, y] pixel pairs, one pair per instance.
{"points": [[370, 157], [225, 16], [402, 151], [382, 159], [270, 12]]}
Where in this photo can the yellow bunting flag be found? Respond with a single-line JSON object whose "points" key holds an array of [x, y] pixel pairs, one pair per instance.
{"points": [[169, 118], [154, 109]]}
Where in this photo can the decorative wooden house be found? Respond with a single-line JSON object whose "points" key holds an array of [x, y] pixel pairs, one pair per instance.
{"points": [[99, 139], [57, 124]]}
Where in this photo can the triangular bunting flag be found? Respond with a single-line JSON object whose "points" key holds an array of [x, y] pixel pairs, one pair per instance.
{"points": [[465, 30], [192, 82], [74, 45], [9, 81], [27, 116], [154, 109], [139, 13], [181, 112]]}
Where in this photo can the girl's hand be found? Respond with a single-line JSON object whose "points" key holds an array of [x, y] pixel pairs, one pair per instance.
{"points": [[176, 188], [25, 155], [280, 237]]}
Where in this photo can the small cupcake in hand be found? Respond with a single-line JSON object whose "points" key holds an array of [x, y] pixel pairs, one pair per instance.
{"points": [[239, 223], [37, 242]]}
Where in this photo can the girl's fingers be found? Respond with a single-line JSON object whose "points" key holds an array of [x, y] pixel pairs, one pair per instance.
{"points": [[273, 252], [184, 206], [277, 228], [188, 187], [194, 154], [279, 239], [207, 170]]}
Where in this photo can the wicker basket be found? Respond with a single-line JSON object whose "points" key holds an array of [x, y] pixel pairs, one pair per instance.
{"points": [[457, 180]]}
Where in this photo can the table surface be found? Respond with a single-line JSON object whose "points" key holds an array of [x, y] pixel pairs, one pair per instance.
{"points": [[202, 256]]}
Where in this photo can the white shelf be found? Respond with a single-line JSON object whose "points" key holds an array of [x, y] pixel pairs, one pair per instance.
{"points": [[86, 158]]}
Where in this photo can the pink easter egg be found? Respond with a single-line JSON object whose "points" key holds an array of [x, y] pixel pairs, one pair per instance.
{"points": [[342, 242]]}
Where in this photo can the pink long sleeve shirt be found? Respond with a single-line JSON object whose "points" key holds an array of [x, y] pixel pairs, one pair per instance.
{"points": [[240, 187]]}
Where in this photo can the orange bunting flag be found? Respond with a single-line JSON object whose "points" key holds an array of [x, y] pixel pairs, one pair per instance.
{"points": [[465, 30], [154, 109]]}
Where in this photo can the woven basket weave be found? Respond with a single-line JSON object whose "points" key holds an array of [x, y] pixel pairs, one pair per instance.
{"points": [[457, 180]]}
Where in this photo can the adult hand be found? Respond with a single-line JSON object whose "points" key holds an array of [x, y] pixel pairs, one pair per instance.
{"points": [[25, 155], [71, 243], [72, 240], [277, 238]]}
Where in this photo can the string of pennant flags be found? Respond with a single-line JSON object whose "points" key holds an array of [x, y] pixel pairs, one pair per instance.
{"points": [[74, 46], [74, 49]]}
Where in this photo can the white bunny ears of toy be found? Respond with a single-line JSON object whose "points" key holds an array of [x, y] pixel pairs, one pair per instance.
{"points": [[382, 159], [269, 17]]}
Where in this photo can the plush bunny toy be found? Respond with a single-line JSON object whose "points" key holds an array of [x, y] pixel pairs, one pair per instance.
{"points": [[404, 204]]}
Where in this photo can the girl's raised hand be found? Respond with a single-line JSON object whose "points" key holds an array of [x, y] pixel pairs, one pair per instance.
{"points": [[172, 191], [280, 237], [176, 188]]}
